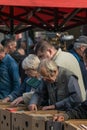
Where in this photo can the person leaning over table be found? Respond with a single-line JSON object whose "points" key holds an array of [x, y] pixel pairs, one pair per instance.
{"points": [[61, 88], [31, 83], [44, 49]]}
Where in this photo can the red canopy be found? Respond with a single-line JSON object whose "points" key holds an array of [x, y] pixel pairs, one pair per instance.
{"points": [[50, 15], [46, 3]]}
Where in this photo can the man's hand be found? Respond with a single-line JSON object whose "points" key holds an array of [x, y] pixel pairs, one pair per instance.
{"points": [[17, 101], [60, 117], [7, 99], [51, 107], [32, 107]]}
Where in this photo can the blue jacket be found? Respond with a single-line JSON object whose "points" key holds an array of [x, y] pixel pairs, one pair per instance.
{"points": [[29, 84], [9, 77], [82, 66]]}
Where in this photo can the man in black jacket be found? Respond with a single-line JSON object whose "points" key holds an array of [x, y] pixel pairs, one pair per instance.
{"points": [[79, 112]]}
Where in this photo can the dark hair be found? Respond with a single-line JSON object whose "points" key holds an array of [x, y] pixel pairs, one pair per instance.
{"points": [[3, 42], [6, 41], [42, 46]]}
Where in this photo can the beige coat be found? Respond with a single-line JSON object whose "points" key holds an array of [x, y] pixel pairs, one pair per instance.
{"points": [[68, 61]]}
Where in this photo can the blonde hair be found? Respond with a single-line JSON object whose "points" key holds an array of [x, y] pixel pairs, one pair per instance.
{"points": [[50, 65]]}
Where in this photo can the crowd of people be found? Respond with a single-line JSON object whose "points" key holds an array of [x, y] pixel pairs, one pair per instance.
{"points": [[47, 78]]}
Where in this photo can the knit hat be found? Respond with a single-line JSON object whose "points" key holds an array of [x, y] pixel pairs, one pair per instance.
{"points": [[30, 62], [82, 40]]}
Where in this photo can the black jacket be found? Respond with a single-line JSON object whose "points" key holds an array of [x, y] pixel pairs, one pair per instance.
{"points": [[79, 112]]}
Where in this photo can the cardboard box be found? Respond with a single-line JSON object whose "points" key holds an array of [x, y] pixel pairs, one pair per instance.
{"points": [[52, 112], [46, 112], [54, 125], [2, 113], [4, 105], [16, 120], [6, 116], [35, 121], [75, 125], [19, 120], [15, 109], [5, 120]]}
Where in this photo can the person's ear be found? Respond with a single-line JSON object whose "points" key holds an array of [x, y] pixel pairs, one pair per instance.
{"points": [[50, 51]]}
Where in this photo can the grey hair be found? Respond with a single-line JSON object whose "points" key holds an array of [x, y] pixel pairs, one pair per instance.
{"points": [[82, 40], [78, 45], [50, 65], [31, 62]]}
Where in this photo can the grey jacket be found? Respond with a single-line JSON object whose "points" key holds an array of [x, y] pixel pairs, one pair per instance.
{"points": [[64, 93]]}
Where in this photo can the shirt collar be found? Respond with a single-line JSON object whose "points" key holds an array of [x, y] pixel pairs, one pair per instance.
{"points": [[57, 53]]}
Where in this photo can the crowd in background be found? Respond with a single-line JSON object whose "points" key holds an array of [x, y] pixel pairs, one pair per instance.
{"points": [[45, 76]]}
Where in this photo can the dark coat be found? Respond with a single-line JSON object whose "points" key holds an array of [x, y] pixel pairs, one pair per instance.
{"points": [[79, 112]]}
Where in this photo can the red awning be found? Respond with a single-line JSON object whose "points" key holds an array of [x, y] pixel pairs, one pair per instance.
{"points": [[46, 3], [21, 18], [50, 15]]}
